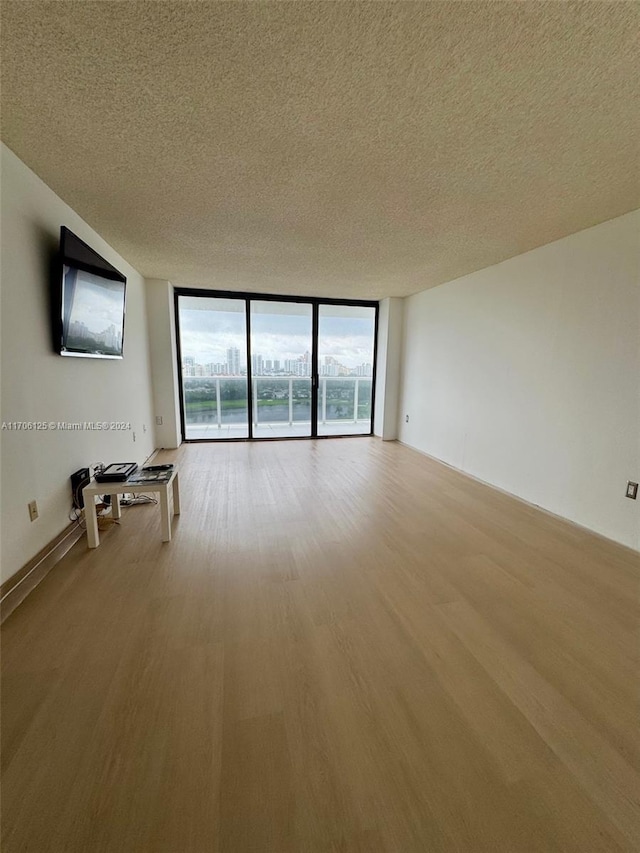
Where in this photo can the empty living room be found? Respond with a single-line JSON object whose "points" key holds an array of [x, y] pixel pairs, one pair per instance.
{"points": [[320, 426]]}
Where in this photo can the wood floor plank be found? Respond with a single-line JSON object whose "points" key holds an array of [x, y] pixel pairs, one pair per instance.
{"points": [[596, 765], [346, 646], [256, 805]]}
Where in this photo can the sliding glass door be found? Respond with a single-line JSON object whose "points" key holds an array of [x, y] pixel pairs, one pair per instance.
{"points": [[346, 344], [281, 344], [267, 367], [213, 366]]}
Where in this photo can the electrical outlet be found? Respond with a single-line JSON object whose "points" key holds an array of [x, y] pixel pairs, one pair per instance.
{"points": [[144, 427], [632, 490], [158, 420], [406, 419], [33, 510]]}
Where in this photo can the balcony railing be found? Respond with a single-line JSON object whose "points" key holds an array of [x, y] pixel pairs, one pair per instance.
{"points": [[220, 401]]}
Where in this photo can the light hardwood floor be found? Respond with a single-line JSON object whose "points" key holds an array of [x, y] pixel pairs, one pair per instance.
{"points": [[346, 647]]}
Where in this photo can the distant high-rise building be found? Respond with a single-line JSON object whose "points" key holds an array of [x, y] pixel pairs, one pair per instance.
{"points": [[257, 365], [329, 370], [233, 361], [276, 365]]}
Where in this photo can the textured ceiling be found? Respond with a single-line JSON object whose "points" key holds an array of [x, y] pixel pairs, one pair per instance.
{"points": [[330, 148]]}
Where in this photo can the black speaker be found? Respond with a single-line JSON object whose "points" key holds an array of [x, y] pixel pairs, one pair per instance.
{"points": [[79, 480]]}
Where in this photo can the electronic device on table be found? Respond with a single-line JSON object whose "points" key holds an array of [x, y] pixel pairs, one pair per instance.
{"points": [[117, 472], [79, 479], [142, 477]]}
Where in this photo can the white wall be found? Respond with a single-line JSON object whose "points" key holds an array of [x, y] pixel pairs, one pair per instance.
{"points": [[527, 376], [38, 385], [164, 363], [389, 353]]}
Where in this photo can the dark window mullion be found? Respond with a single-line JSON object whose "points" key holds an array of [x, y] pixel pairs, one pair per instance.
{"points": [[247, 303], [315, 383], [176, 309], [375, 367]]}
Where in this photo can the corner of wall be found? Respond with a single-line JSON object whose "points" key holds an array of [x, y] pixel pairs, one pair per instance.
{"points": [[390, 329], [164, 362]]}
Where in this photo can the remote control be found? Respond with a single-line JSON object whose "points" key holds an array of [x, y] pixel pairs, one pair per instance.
{"points": [[166, 467]]}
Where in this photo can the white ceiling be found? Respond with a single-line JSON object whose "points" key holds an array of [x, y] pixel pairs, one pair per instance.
{"points": [[329, 148]]}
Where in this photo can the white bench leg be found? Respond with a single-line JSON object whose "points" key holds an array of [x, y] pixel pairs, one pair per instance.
{"points": [[176, 496], [91, 517], [115, 506], [165, 516]]}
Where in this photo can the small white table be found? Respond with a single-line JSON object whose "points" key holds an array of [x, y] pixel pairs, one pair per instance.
{"points": [[168, 499]]}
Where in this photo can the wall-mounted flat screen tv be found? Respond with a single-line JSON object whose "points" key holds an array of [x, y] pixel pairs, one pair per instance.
{"points": [[89, 302]]}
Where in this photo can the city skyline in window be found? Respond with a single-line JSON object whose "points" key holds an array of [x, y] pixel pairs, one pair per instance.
{"points": [[208, 335]]}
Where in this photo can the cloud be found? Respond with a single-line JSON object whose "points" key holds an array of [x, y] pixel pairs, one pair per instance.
{"points": [[207, 334]]}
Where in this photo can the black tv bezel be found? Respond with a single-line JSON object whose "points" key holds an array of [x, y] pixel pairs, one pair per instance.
{"points": [[96, 265]]}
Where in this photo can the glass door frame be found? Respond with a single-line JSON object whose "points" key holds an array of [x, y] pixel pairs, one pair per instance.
{"points": [[315, 302]]}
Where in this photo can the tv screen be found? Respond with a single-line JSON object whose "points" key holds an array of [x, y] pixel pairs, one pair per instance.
{"points": [[91, 302]]}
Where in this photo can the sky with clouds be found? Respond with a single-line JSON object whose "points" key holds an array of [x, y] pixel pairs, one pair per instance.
{"points": [[207, 333]]}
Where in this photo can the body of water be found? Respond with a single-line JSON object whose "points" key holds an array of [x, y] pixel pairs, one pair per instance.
{"points": [[266, 414]]}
